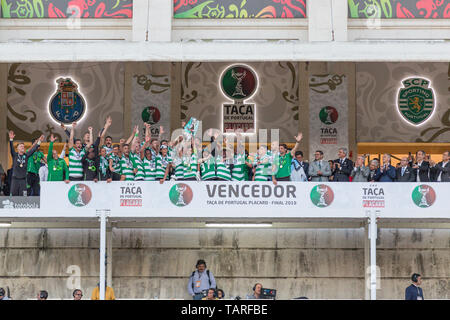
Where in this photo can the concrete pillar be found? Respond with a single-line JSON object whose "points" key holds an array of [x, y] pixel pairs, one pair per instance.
{"points": [[303, 111], [160, 20], [175, 108], [140, 20], [109, 252], [4, 151], [327, 20], [366, 262]]}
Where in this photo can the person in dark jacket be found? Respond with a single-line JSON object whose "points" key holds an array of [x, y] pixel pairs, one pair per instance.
{"points": [[342, 167], [441, 171], [387, 171], [405, 173], [421, 167], [414, 292], [20, 163]]}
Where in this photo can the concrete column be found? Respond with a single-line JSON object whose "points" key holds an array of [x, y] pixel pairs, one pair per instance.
{"points": [[366, 262], [327, 20], [340, 19], [303, 111], [160, 20], [109, 252], [4, 151], [140, 20], [175, 83], [319, 20]]}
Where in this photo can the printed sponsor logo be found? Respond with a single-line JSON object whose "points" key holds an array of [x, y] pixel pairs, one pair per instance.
{"points": [[181, 194], [19, 202], [67, 105], [131, 195], [424, 196], [322, 195], [80, 195], [416, 101]]}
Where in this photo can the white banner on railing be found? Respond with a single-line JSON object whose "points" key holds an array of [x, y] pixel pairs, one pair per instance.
{"points": [[247, 199]]}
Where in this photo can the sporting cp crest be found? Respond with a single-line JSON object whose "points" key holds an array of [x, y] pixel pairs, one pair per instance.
{"points": [[416, 100], [67, 105]]}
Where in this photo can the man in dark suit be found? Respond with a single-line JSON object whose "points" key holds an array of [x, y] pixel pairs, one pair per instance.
{"points": [[441, 172], [414, 292], [421, 167], [405, 173], [387, 170], [342, 167]]}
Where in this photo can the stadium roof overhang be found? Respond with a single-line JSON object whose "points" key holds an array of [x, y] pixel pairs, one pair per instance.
{"points": [[214, 50]]}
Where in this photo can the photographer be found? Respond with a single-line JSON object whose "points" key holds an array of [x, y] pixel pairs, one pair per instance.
{"points": [[200, 281]]}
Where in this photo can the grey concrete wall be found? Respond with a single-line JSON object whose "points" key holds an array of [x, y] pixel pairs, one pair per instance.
{"points": [[320, 264]]}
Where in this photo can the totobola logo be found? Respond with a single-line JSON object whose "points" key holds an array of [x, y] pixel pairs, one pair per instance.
{"points": [[423, 196], [67, 105], [181, 194], [151, 115], [328, 115], [416, 101], [239, 82], [80, 195], [322, 196]]}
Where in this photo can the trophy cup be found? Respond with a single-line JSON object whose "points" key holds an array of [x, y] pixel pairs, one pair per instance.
{"points": [[80, 191], [239, 76], [322, 192], [423, 201], [329, 113], [191, 128], [150, 115], [180, 190]]}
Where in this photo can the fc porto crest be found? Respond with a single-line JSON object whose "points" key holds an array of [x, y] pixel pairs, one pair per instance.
{"points": [[67, 105], [416, 100]]}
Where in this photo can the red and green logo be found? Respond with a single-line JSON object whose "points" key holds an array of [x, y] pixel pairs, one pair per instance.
{"points": [[423, 196], [239, 82], [181, 194], [416, 100], [151, 115], [328, 115], [322, 195], [80, 195]]}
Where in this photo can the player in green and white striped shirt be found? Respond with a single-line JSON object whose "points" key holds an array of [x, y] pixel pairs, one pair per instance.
{"points": [[162, 162], [263, 165], [190, 164], [149, 166], [76, 153], [114, 163], [138, 165], [126, 164], [208, 166], [223, 170]]}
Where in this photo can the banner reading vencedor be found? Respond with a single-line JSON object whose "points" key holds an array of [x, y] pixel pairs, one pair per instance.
{"points": [[249, 199]]}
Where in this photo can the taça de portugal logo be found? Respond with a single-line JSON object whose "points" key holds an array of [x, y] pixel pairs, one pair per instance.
{"points": [[423, 196], [322, 196], [151, 115], [328, 115], [181, 195], [67, 105], [80, 195], [239, 82], [416, 100]]}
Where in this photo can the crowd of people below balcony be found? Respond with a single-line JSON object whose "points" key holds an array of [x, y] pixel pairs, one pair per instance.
{"points": [[186, 159]]}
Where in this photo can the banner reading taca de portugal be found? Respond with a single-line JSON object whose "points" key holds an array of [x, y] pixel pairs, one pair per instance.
{"points": [[328, 114], [246, 199], [150, 102]]}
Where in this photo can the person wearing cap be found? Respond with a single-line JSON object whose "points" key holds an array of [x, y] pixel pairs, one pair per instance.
{"points": [[200, 281]]}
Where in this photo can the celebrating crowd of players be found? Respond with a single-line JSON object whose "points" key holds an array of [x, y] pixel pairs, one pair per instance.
{"points": [[186, 159]]}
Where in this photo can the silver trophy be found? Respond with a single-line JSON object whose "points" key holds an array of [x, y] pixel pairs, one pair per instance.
{"points": [[239, 76], [151, 112], [322, 192], [181, 190], [80, 191], [329, 113], [423, 201]]}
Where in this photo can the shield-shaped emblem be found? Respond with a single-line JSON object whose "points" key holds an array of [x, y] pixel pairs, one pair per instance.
{"points": [[67, 104], [416, 101]]}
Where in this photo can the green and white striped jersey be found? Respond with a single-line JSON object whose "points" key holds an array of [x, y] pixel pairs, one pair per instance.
{"points": [[126, 168], [264, 169], [161, 165], [75, 165], [137, 164], [240, 169], [179, 168], [115, 162], [223, 171], [190, 166], [208, 169], [149, 169]]}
